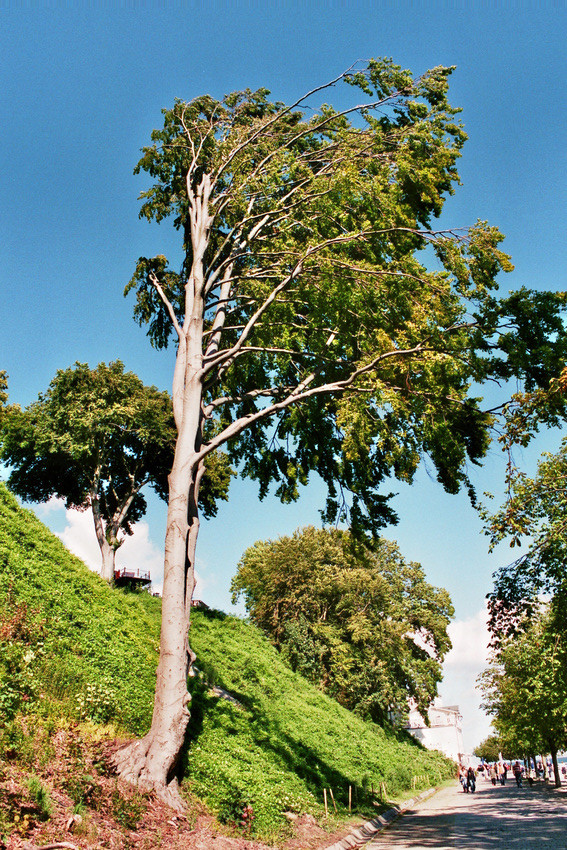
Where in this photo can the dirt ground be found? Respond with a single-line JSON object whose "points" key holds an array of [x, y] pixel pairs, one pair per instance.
{"points": [[115, 817], [157, 828]]}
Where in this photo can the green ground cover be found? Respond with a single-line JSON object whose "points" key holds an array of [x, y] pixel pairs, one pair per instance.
{"points": [[73, 649]]}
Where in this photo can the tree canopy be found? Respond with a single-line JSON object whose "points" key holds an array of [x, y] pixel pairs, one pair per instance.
{"points": [[359, 621], [526, 689], [491, 749], [534, 513], [324, 341], [96, 438], [322, 324]]}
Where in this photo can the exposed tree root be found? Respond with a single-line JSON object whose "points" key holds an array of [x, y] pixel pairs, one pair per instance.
{"points": [[136, 765]]}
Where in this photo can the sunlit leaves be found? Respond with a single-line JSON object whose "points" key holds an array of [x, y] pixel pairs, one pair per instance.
{"points": [[98, 430], [362, 623], [340, 344], [526, 687]]}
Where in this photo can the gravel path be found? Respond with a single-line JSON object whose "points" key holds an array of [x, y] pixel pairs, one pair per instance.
{"points": [[495, 817]]}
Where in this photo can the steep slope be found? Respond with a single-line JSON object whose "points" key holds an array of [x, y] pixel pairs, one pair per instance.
{"points": [[74, 649]]}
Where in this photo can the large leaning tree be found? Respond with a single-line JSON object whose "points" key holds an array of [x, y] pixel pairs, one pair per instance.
{"points": [[321, 324], [96, 439]]}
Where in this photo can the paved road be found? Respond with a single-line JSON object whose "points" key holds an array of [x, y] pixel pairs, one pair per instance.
{"points": [[495, 818]]}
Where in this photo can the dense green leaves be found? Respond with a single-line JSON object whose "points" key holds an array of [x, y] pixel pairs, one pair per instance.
{"points": [[68, 643], [328, 339], [526, 687], [72, 649], [492, 748], [98, 433], [287, 740], [322, 324], [534, 513], [362, 623], [3, 388]]}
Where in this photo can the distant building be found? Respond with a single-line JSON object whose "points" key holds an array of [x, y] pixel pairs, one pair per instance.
{"points": [[445, 730]]}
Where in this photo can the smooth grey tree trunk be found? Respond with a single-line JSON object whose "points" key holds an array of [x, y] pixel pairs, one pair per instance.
{"points": [[151, 762]]}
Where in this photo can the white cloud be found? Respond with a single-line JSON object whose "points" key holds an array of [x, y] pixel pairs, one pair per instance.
{"points": [[137, 552], [470, 640], [466, 660], [50, 507]]}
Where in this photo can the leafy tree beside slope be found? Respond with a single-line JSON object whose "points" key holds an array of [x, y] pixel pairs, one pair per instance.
{"points": [[310, 333], [97, 438], [359, 621]]}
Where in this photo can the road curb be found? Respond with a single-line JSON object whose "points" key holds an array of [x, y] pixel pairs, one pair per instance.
{"points": [[358, 837]]}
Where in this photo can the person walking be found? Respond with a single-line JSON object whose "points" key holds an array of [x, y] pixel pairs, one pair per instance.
{"points": [[471, 779], [493, 774], [517, 771]]}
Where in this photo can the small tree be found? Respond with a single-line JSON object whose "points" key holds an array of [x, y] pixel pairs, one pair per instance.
{"points": [[490, 749], [359, 621], [310, 333], [96, 439]]}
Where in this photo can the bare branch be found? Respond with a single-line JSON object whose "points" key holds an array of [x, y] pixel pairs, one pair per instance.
{"points": [[167, 303]]}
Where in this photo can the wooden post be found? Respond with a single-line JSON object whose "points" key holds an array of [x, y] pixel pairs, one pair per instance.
{"points": [[350, 798], [326, 808], [333, 799]]}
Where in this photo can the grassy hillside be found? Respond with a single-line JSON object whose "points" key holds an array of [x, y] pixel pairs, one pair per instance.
{"points": [[72, 649]]}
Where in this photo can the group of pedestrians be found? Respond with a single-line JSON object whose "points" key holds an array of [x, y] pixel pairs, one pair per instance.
{"points": [[495, 772], [498, 772]]}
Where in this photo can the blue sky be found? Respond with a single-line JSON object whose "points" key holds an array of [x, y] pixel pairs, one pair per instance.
{"points": [[81, 89]]}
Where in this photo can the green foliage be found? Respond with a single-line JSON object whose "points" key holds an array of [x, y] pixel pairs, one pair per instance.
{"points": [[273, 754], [96, 438], [325, 342], [95, 639], [3, 390], [490, 749], [287, 740], [533, 513], [526, 686], [361, 623], [40, 796], [127, 809], [21, 645], [97, 703]]}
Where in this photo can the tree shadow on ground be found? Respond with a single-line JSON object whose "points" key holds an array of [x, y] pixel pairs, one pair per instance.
{"points": [[291, 752], [509, 817]]}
